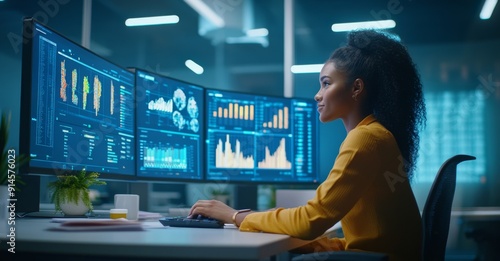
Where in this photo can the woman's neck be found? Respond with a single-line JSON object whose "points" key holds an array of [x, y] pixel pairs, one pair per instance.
{"points": [[352, 120]]}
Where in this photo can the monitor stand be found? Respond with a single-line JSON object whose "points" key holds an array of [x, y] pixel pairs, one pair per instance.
{"points": [[27, 195]]}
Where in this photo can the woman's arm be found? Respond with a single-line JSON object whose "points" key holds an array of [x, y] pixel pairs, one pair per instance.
{"points": [[352, 174]]}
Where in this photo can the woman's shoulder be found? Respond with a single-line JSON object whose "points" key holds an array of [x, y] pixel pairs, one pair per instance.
{"points": [[373, 133], [374, 130]]}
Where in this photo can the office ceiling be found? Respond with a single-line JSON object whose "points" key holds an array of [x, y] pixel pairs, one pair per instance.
{"points": [[168, 46]]}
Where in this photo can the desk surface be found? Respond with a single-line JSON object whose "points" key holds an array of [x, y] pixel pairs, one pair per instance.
{"points": [[478, 214], [34, 235]]}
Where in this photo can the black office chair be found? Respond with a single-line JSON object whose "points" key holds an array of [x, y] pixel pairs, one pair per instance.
{"points": [[435, 220], [437, 209]]}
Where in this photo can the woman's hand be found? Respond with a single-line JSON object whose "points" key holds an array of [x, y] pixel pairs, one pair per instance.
{"points": [[213, 209]]}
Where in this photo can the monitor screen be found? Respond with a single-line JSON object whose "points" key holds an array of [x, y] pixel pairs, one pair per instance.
{"points": [[257, 138], [169, 127], [77, 108]]}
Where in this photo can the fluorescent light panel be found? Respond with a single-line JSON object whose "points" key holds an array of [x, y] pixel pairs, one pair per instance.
{"points": [[380, 24], [306, 68], [258, 32], [487, 10], [196, 68], [204, 10], [152, 20]]}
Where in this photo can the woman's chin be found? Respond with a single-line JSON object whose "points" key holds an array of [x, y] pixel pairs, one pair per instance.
{"points": [[324, 119]]}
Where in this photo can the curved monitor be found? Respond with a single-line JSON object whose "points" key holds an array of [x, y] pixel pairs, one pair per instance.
{"points": [[169, 127], [77, 108], [261, 139]]}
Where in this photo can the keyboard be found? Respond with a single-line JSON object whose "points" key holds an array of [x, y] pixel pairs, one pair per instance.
{"points": [[191, 222]]}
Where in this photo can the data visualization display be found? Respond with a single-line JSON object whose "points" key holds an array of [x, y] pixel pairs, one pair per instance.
{"points": [[169, 127], [256, 138], [77, 107]]}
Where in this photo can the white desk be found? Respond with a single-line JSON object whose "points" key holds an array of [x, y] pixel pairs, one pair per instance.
{"points": [[167, 243], [482, 224], [479, 214]]}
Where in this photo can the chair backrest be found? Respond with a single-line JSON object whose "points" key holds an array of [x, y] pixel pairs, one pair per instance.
{"points": [[437, 209]]}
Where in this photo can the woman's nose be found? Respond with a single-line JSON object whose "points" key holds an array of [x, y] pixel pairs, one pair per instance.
{"points": [[317, 97]]}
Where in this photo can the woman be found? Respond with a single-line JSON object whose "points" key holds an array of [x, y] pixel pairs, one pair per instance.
{"points": [[372, 85]]}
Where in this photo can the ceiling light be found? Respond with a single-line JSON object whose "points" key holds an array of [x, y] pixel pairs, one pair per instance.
{"points": [[306, 68], [196, 68], [381, 24], [488, 7], [152, 20], [262, 40], [259, 32], [204, 10]]}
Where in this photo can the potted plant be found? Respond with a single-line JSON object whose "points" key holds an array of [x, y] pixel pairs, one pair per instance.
{"points": [[10, 162], [220, 194], [70, 193], [9, 165]]}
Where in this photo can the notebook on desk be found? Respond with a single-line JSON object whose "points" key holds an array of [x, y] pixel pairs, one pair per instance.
{"points": [[89, 224], [50, 214]]}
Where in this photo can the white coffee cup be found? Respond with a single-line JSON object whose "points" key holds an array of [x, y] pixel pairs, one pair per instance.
{"points": [[129, 202]]}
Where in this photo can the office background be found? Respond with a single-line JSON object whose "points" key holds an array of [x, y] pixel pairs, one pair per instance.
{"points": [[456, 52]]}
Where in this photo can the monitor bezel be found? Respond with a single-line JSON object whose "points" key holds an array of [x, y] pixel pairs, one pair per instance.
{"points": [[202, 178], [262, 182], [26, 105]]}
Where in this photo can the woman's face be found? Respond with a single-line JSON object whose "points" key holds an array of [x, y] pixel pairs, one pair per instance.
{"points": [[334, 96]]}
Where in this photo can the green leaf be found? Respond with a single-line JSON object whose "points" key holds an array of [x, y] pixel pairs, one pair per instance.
{"points": [[70, 188], [20, 160]]}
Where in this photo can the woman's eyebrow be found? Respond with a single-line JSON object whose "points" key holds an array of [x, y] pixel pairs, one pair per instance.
{"points": [[323, 77]]}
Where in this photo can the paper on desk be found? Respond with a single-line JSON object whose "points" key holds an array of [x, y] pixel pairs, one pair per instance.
{"points": [[63, 220], [99, 225], [148, 215]]}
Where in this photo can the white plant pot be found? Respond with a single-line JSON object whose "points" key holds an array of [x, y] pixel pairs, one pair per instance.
{"points": [[74, 209], [223, 198]]}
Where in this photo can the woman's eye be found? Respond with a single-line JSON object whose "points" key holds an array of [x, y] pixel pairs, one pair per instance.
{"points": [[325, 84]]}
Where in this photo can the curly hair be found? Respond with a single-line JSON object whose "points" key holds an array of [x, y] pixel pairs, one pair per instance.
{"points": [[392, 83]]}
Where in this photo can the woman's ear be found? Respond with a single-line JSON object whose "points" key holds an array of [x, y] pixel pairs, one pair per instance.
{"points": [[358, 88]]}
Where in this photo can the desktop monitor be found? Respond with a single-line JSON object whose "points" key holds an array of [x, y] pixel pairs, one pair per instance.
{"points": [[260, 139], [77, 108], [169, 128]]}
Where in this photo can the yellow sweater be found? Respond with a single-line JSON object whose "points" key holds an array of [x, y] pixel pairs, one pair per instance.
{"points": [[367, 191]]}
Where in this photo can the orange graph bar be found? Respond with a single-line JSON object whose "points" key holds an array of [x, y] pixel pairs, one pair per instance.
{"points": [[251, 112], [286, 118], [74, 82], [279, 120], [236, 109], [277, 160], [64, 84], [112, 99], [226, 158]]}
